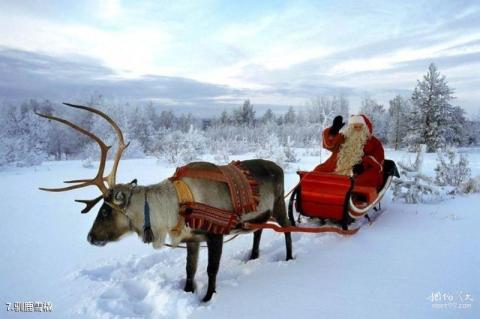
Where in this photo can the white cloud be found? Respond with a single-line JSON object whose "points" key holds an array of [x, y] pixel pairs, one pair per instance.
{"points": [[389, 60], [131, 51]]}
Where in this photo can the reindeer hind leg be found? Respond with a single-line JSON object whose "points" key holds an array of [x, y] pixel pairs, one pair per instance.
{"points": [[215, 245], [192, 261], [281, 217]]}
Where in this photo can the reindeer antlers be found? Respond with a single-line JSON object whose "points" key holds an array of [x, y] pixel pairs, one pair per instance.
{"points": [[99, 179], [121, 142], [90, 203]]}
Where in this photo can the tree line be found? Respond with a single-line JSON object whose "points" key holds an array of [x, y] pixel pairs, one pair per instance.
{"points": [[425, 117]]}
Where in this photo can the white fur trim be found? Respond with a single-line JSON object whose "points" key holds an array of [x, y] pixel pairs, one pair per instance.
{"points": [[356, 119]]}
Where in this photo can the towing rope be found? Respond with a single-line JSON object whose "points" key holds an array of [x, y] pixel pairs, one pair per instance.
{"points": [[299, 229], [201, 246], [287, 229]]}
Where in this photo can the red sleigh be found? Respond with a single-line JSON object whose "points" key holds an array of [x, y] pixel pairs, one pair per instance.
{"points": [[336, 198]]}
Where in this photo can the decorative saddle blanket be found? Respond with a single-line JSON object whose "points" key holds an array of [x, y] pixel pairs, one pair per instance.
{"points": [[243, 193]]}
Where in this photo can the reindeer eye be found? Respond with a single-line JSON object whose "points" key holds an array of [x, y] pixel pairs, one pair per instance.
{"points": [[105, 212]]}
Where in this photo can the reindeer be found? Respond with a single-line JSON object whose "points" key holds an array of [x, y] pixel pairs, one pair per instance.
{"points": [[123, 208]]}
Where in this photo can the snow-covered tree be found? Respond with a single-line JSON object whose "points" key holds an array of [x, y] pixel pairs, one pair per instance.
{"points": [[134, 150], [288, 150], [472, 185], [224, 118], [342, 105], [180, 148], [289, 117], [432, 120], [34, 140], [245, 115], [452, 168], [152, 115], [167, 119], [413, 186], [271, 149], [377, 114], [457, 135], [140, 128], [320, 113], [397, 121], [24, 136], [268, 116], [322, 109], [472, 132], [185, 122]]}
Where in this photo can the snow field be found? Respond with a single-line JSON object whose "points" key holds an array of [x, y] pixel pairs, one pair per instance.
{"points": [[388, 269]]}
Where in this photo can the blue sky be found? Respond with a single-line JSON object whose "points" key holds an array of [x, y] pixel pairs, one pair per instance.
{"points": [[217, 53]]}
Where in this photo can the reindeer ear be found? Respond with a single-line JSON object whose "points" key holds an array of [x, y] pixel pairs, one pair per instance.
{"points": [[134, 182]]}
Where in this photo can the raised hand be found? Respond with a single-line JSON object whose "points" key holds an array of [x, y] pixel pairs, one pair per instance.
{"points": [[337, 125]]}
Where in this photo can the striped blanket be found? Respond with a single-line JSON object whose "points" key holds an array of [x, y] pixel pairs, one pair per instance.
{"points": [[243, 193]]}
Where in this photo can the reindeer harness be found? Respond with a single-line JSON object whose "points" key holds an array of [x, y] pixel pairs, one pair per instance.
{"points": [[199, 216]]}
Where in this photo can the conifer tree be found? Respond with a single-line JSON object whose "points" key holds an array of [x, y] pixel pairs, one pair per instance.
{"points": [[378, 116], [431, 120]]}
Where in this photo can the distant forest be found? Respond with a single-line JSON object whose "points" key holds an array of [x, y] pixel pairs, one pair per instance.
{"points": [[425, 117]]}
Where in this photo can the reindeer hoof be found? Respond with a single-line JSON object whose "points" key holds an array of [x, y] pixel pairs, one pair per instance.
{"points": [[189, 287], [254, 255], [208, 296]]}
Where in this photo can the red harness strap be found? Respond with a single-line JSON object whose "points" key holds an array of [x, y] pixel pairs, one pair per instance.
{"points": [[208, 218], [243, 194]]}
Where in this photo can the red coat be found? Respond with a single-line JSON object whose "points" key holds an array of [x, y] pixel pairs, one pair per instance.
{"points": [[372, 159]]}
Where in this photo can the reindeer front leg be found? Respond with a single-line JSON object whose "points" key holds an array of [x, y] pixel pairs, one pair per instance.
{"points": [[215, 245], [192, 261], [257, 235]]}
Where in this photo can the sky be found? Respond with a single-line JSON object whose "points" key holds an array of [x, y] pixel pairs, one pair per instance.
{"points": [[199, 55]]}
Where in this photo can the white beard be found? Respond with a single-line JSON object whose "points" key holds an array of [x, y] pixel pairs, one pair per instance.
{"points": [[351, 151]]}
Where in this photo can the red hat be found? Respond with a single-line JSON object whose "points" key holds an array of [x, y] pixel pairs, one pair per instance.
{"points": [[361, 119]]}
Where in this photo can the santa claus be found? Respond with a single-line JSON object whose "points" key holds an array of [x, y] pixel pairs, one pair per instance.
{"points": [[355, 152]]}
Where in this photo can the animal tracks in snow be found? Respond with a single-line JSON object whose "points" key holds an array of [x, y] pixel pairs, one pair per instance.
{"points": [[151, 286]]}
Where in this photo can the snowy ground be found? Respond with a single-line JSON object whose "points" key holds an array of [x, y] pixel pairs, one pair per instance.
{"points": [[391, 269]]}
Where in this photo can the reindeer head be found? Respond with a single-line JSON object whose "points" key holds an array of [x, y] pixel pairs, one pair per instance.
{"points": [[111, 222]]}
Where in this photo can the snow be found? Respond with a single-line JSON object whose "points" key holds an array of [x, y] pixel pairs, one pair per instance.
{"points": [[388, 269]]}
